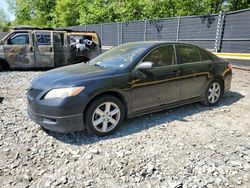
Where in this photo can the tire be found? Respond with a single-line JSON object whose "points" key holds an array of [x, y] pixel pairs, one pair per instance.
{"points": [[1, 68], [104, 115], [213, 93], [4, 66]]}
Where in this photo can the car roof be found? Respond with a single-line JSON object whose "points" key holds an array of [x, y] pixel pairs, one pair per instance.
{"points": [[157, 43]]}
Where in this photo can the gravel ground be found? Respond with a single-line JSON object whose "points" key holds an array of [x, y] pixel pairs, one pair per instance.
{"points": [[189, 146]]}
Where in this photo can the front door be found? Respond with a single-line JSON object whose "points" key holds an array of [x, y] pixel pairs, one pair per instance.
{"points": [[44, 52], [160, 85], [19, 50]]}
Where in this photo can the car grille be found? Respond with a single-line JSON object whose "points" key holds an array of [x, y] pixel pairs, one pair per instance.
{"points": [[33, 93]]}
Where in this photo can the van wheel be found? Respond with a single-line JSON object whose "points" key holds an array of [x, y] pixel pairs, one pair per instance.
{"points": [[1, 68], [212, 93], [104, 115]]}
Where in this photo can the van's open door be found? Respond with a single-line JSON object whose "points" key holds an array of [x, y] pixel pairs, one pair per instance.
{"points": [[44, 52], [61, 49]]}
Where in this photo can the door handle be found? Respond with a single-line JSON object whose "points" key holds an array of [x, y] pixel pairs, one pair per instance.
{"points": [[176, 72], [31, 49]]}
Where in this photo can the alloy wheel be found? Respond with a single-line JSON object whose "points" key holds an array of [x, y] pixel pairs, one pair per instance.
{"points": [[106, 117], [214, 92]]}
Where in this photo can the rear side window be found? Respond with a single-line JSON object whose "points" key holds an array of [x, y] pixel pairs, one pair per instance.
{"points": [[58, 39], [204, 57], [188, 54], [43, 38]]}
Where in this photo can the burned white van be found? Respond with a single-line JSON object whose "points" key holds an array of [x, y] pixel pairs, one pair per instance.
{"points": [[26, 47]]}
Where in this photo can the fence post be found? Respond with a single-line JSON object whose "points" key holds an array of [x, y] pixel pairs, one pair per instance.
{"points": [[121, 33], [178, 29], [101, 34], [145, 30], [219, 31], [85, 26], [118, 32]]}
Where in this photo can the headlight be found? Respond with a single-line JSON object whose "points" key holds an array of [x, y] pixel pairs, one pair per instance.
{"points": [[63, 92]]}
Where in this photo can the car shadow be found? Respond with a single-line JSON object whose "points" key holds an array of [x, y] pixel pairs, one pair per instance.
{"points": [[141, 123], [1, 99]]}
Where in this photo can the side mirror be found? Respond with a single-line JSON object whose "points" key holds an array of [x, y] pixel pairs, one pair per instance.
{"points": [[145, 66]]}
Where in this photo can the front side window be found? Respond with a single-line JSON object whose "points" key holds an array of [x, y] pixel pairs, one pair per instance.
{"points": [[19, 39], [188, 54], [162, 56]]}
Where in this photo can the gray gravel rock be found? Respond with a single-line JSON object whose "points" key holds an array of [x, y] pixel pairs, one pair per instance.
{"points": [[189, 146]]}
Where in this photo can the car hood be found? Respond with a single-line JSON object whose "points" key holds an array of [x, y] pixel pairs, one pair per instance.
{"points": [[70, 76]]}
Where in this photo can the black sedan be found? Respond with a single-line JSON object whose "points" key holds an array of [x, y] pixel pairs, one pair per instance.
{"points": [[127, 81]]}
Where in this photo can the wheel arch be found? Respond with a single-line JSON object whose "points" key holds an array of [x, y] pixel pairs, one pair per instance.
{"points": [[5, 64], [220, 78], [116, 94]]}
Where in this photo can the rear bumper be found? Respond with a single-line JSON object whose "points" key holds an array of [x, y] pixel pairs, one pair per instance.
{"points": [[64, 124]]}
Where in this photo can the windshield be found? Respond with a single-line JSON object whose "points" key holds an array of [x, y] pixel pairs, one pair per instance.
{"points": [[120, 56]]}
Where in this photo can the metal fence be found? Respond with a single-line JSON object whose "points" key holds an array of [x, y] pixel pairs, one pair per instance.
{"points": [[223, 32]]}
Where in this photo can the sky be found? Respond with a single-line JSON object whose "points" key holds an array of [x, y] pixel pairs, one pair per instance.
{"points": [[4, 6]]}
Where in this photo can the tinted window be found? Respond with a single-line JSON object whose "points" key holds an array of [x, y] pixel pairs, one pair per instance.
{"points": [[188, 54], [162, 56], [19, 39], [204, 57]]}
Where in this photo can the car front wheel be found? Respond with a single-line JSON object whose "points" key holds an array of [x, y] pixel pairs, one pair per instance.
{"points": [[1, 68], [213, 93], [104, 115]]}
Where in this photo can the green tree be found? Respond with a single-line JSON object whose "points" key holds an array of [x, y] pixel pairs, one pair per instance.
{"points": [[62, 13], [66, 13], [33, 12], [4, 22]]}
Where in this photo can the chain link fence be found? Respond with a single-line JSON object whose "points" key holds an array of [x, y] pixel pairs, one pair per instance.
{"points": [[223, 32]]}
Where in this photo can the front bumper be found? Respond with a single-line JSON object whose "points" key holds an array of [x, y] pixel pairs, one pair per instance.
{"points": [[64, 124], [59, 115]]}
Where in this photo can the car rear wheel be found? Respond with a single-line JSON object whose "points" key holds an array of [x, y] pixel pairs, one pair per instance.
{"points": [[104, 115], [213, 93]]}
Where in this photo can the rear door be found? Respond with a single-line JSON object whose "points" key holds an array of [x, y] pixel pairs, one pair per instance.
{"points": [[19, 50], [194, 71], [44, 52]]}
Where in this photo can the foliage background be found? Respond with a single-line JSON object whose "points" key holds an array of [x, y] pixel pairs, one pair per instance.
{"points": [[63, 13]]}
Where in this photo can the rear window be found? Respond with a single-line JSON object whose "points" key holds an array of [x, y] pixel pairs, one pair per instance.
{"points": [[188, 54], [204, 57]]}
